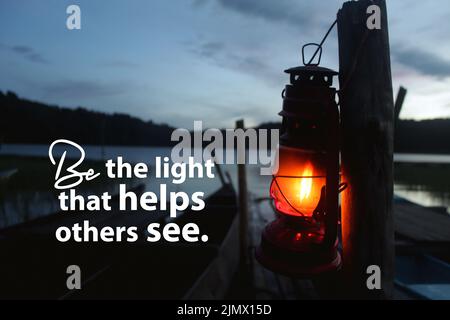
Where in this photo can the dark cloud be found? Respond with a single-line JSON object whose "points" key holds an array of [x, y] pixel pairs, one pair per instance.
{"points": [[81, 89], [287, 11], [35, 57], [22, 49], [423, 61], [28, 53]]}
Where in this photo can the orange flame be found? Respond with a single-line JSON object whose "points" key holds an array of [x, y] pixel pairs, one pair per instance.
{"points": [[306, 184]]}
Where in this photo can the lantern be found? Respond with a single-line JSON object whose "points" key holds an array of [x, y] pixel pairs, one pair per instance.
{"points": [[303, 240]]}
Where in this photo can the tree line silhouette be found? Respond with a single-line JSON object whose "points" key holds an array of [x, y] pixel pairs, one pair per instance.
{"points": [[25, 121]]}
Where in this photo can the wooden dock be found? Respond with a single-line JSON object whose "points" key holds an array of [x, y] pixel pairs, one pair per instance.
{"points": [[421, 230], [421, 224], [418, 230], [126, 270]]}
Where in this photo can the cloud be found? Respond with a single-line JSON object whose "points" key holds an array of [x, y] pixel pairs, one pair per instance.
{"points": [[119, 64], [244, 62], [422, 61], [28, 53], [82, 89], [199, 3], [287, 11], [252, 65], [210, 49]]}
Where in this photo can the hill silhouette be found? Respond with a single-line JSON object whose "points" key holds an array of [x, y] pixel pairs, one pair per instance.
{"points": [[25, 121]]}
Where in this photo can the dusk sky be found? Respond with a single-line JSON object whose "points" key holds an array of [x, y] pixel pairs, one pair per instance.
{"points": [[213, 60]]}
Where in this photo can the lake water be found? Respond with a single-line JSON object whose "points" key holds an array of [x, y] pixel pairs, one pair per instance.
{"points": [[424, 179]]}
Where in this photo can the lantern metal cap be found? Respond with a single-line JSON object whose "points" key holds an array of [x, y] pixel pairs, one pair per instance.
{"points": [[313, 69], [311, 75]]}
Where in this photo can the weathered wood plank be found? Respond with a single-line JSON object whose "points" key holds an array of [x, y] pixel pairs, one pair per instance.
{"points": [[421, 224], [367, 116], [215, 280]]}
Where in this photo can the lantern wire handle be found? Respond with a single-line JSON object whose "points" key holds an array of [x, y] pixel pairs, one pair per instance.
{"points": [[319, 47], [319, 50]]}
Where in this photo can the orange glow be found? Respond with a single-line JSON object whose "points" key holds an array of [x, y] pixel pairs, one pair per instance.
{"points": [[299, 182]]}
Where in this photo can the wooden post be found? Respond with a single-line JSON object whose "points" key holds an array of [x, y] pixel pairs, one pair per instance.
{"points": [[399, 102], [243, 209], [367, 116], [220, 173]]}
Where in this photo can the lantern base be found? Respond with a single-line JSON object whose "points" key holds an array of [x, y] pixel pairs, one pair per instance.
{"points": [[283, 252]]}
